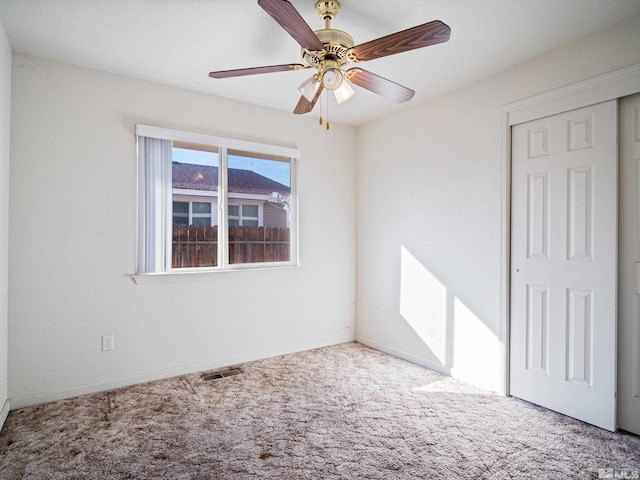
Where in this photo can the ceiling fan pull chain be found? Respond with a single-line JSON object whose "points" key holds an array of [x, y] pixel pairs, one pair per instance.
{"points": [[326, 98]]}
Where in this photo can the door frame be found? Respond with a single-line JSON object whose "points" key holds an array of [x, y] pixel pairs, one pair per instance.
{"points": [[609, 86]]}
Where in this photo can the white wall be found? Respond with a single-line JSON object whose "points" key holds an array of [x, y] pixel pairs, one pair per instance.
{"points": [[428, 220], [429, 211], [72, 240], [5, 134]]}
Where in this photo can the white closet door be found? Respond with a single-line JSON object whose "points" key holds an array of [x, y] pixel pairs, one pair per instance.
{"points": [[564, 265]]}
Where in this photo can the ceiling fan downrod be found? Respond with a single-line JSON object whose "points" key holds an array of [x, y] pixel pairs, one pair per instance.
{"points": [[327, 9]]}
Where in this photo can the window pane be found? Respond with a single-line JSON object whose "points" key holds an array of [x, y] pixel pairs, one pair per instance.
{"points": [[233, 211], [194, 176], [194, 171], [180, 213], [181, 208], [201, 207], [267, 179], [250, 211]]}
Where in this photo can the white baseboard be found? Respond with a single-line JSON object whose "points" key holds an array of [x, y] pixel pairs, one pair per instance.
{"points": [[423, 362], [61, 394], [4, 412]]}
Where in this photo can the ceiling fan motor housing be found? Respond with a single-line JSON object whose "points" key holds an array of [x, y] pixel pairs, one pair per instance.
{"points": [[336, 47], [336, 42]]}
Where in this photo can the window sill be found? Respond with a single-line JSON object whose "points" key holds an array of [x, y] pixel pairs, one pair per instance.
{"points": [[194, 275]]}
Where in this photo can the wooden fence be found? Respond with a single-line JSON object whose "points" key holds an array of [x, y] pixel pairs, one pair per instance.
{"points": [[197, 245]]}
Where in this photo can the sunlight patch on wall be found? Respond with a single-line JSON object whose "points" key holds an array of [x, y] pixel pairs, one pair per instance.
{"points": [[475, 344], [423, 304]]}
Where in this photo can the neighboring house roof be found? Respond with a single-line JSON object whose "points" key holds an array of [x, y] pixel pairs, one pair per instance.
{"points": [[203, 177]]}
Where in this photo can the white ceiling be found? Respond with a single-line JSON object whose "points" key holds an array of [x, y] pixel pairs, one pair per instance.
{"points": [[177, 42]]}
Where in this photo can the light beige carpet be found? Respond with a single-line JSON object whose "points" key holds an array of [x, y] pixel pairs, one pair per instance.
{"points": [[339, 412]]}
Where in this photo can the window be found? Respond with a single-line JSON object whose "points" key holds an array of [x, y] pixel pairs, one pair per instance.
{"points": [[213, 203], [192, 213], [234, 215], [244, 215], [181, 213], [201, 213]]}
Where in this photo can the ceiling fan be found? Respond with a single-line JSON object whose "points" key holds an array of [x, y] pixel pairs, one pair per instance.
{"points": [[329, 51]]}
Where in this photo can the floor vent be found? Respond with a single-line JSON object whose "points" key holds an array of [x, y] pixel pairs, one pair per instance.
{"points": [[217, 375]]}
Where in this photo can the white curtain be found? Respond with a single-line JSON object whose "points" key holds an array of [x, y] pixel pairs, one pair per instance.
{"points": [[157, 204]]}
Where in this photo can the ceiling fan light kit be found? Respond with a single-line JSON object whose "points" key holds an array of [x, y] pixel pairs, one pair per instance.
{"points": [[329, 51], [343, 93], [310, 87], [332, 78]]}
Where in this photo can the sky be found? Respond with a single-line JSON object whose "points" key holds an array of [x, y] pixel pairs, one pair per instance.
{"points": [[278, 171]]}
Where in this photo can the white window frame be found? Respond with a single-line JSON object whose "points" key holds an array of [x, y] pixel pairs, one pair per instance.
{"points": [[223, 144]]}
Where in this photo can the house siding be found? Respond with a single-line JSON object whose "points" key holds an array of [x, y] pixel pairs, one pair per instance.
{"points": [[274, 216]]}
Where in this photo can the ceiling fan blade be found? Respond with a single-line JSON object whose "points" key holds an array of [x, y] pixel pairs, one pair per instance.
{"points": [[255, 70], [304, 105], [288, 17], [380, 85], [417, 37]]}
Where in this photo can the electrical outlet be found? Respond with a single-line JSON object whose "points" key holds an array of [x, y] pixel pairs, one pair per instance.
{"points": [[107, 342], [378, 316]]}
